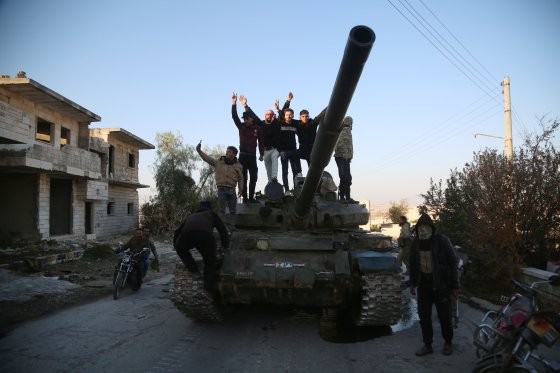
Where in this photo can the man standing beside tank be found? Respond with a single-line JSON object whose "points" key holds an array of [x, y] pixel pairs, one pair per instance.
{"points": [[343, 153], [271, 136], [249, 134], [196, 231], [228, 173], [433, 273], [404, 241]]}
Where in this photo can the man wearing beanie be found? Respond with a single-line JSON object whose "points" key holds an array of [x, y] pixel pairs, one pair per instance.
{"points": [[433, 274]]}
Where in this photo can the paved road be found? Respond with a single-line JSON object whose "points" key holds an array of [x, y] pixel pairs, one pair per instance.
{"points": [[144, 332]]}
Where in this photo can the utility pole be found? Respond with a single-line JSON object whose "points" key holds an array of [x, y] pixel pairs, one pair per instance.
{"points": [[507, 116]]}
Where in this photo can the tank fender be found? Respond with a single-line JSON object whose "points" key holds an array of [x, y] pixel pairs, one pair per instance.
{"points": [[374, 261]]}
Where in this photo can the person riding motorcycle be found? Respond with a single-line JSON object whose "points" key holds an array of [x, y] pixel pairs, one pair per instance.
{"points": [[136, 243], [152, 247]]}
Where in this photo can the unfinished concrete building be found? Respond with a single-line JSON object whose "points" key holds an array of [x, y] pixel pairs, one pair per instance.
{"points": [[58, 177]]}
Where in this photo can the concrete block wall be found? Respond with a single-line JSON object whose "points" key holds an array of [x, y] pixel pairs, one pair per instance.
{"points": [[43, 202], [122, 171], [20, 121], [14, 123], [548, 296], [120, 222], [79, 207]]}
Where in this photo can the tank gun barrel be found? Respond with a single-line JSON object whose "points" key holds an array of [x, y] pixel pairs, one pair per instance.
{"points": [[359, 44]]}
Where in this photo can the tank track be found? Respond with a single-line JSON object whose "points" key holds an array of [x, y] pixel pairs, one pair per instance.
{"points": [[190, 297], [381, 302]]}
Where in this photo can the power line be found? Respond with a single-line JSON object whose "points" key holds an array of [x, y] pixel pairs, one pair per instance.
{"points": [[492, 78]]}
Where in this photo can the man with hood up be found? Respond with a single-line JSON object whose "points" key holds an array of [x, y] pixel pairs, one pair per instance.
{"points": [[196, 231], [433, 274], [343, 154]]}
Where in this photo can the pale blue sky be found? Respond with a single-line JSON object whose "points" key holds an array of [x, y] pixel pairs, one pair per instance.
{"points": [[169, 65]]}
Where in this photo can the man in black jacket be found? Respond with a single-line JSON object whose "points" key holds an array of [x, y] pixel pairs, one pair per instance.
{"points": [[249, 134], [433, 271], [196, 231], [306, 129]]}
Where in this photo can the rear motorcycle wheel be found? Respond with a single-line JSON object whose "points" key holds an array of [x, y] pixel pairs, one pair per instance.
{"points": [[119, 284], [495, 364]]}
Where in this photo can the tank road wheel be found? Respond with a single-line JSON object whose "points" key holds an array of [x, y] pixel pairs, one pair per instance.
{"points": [[190, 297], [118, 285], [381, 301]]}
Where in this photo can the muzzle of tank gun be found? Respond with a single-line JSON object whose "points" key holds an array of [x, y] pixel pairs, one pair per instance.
{"points": [[359, 44]]}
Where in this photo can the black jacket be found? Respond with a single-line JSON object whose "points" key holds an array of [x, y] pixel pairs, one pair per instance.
{"points": [[444, 263], [203, 220], [270, 131]]}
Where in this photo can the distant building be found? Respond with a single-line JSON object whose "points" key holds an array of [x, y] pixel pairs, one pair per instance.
{"points": [[58, 177]]}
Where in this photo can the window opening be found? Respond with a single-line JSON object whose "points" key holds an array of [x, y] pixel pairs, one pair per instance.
{"points": [[44, 129], [64, 136], [111, 208]]}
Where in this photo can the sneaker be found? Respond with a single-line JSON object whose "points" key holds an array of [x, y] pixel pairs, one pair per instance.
{"points": [[350, 200], [425, 350], [447, 349], [299, 174]]}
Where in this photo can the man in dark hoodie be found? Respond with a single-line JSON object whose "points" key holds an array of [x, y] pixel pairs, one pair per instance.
{"points": [[196, 232], [433, 273]]}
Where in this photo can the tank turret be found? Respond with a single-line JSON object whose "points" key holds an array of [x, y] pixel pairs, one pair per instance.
{"points": [[306, 247]]}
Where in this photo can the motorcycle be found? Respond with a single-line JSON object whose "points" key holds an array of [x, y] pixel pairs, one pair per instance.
{"points": [[507, 340], [128, 270]]}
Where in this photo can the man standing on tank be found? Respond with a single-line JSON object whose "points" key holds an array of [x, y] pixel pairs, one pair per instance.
{"points": [[228, 174], [249, 134], [343, 154], [288, 146], [306, 130], [271, 136]]}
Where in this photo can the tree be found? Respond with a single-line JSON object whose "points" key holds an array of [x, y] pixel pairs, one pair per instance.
{"points": [[177, 192], [504, 211], [396, 211]]}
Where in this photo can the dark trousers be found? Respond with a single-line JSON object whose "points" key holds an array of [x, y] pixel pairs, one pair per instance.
{"points": [[249, 163], [305, 153], [427, 297], [205, 243], [292, 157], [345, 176]]}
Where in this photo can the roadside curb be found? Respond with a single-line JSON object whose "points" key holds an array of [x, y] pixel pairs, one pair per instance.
{"points": [[37, 263]]}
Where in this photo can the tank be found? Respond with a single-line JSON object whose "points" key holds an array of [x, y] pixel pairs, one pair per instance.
{"points": [[306, 248]]}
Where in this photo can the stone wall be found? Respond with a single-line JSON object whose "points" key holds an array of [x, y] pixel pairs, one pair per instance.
{"points": [[120, 221], [548, 296]]}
